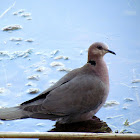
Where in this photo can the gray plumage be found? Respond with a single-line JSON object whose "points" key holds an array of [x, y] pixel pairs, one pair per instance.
{"points": [[75, 97]]}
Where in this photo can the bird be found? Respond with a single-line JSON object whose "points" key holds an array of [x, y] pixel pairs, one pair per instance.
{"points": [[76, 97]]}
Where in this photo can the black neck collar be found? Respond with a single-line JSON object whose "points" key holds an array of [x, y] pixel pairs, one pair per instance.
{"points": [[92, 62]]}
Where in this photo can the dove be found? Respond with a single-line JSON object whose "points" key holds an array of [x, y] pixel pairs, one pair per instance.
{"points": [[76, 97]]}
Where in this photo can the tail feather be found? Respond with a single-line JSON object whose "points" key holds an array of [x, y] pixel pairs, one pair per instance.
{"points": [[12, 113]]}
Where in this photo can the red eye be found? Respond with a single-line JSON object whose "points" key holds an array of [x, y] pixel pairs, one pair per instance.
{"points": [[99, 47]]}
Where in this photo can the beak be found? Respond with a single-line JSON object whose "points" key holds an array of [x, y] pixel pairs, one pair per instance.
{"points": [[111, 52]]}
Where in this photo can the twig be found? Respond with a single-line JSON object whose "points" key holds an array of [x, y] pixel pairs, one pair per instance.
{"points": [[134, 122], [69, 135], [7, 9]]}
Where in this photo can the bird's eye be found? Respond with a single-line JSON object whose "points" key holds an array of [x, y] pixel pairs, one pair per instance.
{"points": [[99, 47]]}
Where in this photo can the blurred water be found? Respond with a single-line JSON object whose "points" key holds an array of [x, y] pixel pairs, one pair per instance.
{"points": [[71, 27]]}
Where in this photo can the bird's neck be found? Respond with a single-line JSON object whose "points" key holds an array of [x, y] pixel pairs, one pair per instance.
{"points": [[100, 68]]}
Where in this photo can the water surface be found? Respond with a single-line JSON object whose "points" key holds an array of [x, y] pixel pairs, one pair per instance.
{"points": [[68, 28]]}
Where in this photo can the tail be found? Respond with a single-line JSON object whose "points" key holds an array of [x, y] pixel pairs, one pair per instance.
{"points": [[12, 113]]}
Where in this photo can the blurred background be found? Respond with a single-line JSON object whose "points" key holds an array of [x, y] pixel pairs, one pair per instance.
{"points": [[40, 41]]}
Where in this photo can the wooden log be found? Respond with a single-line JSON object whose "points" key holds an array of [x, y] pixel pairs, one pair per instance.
{"points": [[95, 126]]}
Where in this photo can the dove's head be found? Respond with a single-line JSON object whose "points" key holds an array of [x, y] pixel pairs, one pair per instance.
{"points": [[97, 50]]}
